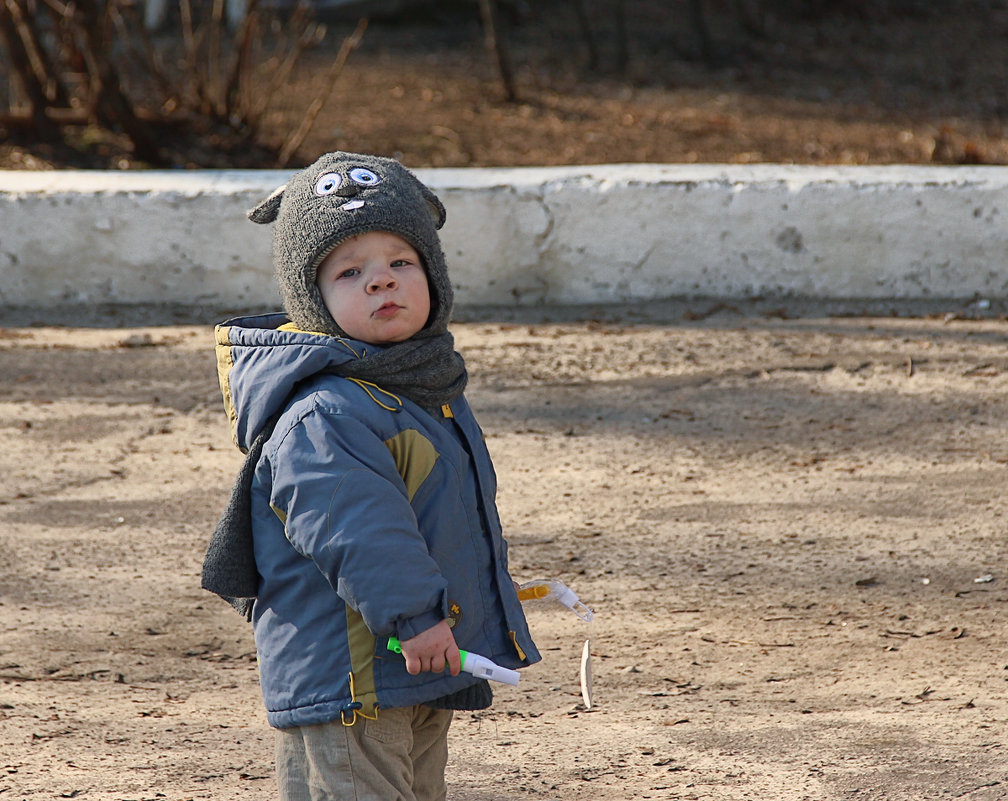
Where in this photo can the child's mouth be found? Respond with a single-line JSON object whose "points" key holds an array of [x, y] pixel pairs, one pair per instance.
{"points": [[387, 310]]}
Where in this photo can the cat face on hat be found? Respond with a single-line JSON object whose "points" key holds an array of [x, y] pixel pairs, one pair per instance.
{"points": [[340, 196]]}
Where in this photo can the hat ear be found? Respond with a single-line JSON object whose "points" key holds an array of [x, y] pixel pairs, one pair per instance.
{"points": [[437, 211], [266, 212]]}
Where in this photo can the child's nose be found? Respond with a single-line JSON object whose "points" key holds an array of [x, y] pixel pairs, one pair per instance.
{"points": [[382, 280]]}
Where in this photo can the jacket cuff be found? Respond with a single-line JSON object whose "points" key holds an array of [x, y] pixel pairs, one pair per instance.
{"points": [[411, 627]]}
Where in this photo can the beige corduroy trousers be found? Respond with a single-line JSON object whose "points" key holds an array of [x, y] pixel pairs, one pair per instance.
{"points": [[401, 756]]}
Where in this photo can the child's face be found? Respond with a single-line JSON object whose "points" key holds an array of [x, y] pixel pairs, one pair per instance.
{"points": [[375, 287]]}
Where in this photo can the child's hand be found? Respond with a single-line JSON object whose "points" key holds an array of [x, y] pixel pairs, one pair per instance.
{"points": [[432, 650]]}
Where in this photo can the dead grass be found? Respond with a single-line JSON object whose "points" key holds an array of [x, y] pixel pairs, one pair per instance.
{"points": [[831, 90]]}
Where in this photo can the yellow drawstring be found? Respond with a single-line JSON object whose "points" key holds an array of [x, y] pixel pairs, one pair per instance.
{"points": [[365, 384], [355, 707], [346, 345]]}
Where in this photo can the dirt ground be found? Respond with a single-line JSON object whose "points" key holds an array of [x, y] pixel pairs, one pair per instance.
{"points": [[791, 530], [825, 83]]}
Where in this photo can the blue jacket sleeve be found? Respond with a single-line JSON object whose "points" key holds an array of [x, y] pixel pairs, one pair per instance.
{"points": [[347, 510]]}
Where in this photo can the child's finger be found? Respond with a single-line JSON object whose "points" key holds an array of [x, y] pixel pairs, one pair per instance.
{"points": [[454, 660]]}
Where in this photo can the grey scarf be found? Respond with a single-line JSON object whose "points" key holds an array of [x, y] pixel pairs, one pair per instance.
{"points": [[426, 369]]}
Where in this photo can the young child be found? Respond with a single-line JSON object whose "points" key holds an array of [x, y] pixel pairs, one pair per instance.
{"points": [[365, 507]]}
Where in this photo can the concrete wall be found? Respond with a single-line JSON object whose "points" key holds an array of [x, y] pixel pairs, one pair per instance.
{"points": [[611, 233]]}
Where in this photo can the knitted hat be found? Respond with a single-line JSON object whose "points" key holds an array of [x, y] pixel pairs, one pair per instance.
{"points": [[340, 196]]}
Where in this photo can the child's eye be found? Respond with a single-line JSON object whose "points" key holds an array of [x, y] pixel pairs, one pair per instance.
{"points": [[350, 272], [328, 184], [364, 176]]}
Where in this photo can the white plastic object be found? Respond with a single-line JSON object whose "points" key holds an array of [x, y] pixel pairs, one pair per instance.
{"points": [[483, 668], [556, 590], [478, 665]]}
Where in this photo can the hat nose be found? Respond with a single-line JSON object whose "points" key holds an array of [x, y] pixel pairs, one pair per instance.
{"points": [[349, 189]]}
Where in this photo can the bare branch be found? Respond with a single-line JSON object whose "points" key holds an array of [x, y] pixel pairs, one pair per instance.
{"points": [[24, 20], [298, 137], [22, 69], [496, 44], [242, 59], [191, 47], [280, 74], [109, 101], [150, 58], [214, 79]]}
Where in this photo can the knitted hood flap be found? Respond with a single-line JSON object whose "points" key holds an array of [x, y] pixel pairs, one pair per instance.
{"points": [[338, 197]]}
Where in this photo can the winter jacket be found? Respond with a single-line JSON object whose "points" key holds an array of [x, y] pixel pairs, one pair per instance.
{"points": [[371, 518]]}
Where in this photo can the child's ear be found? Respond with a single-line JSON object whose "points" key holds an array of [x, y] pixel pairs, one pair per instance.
{"points": [[437, 211], [266, 212]]}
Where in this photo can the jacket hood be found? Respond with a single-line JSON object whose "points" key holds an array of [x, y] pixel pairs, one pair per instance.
{"points": [[260, 361]]}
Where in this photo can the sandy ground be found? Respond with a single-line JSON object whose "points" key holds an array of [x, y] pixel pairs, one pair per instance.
{"points": [[791, 531]]}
